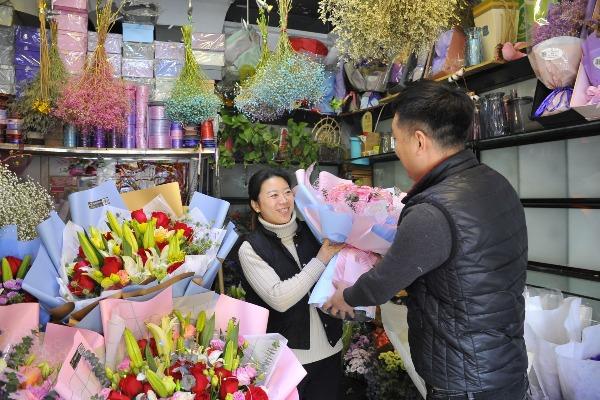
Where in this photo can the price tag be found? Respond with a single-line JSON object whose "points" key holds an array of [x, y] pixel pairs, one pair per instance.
{"points": [[552, 53]]}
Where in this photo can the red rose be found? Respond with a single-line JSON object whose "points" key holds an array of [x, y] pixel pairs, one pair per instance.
{"points": [[143, 255], [82, 284], [173, 267], [228, 385], [139, 216], [79, 265], [130, 386], [174, 371], [197, 369], [256, 393], [80, 253], [144, 342], [14, 263], [162, 219], [188, 231], [117, 396], [162, 245], [202, 396], [222, 373], [112, 265], [147, 388], [201, 383]]}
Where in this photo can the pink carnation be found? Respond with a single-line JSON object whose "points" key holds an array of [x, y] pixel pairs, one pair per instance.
{"points": [[245, 375], [217, 344]]}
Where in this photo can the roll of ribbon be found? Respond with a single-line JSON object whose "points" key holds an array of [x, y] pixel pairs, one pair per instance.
{"points": [[131, 119], [84, 138], [99, 139], [130, 129], [13, 132], [176, 134], [191, 142], [176, 125], [114, 139], [14, 126], [176, 143], [159, 142], [69, 136], [3, 114], [206, 130], [157, 112], [128, 141], [160, 125]]}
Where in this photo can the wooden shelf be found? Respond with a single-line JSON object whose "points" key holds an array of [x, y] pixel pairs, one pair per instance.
{"points": [[475, 69], [103, 153], [382, 157]]}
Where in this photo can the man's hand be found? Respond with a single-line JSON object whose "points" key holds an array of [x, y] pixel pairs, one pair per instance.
{"points": [[336, 305]]}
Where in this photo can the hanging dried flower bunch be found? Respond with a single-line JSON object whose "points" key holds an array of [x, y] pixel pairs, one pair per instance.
{"points": [[96, 99], [40, 96], [193, 99], [380, 30], [285, 80]]}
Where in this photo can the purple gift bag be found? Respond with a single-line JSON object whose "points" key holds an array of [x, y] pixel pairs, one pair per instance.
{"points": [[591, 58]]}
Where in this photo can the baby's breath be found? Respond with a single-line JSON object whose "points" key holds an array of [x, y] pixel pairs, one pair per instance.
{"points": [[23, 202]]}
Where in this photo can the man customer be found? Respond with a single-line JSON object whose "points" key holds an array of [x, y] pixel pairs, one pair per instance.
{"points": [[460, 251]]}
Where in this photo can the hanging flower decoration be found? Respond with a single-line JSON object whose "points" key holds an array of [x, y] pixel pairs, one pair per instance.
{"points": [[380, 30], [284, 80], [96, 99], [193, 99], [39, 97]]}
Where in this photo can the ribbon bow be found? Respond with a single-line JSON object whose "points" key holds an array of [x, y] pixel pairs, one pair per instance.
{"points": [[550, 105]]}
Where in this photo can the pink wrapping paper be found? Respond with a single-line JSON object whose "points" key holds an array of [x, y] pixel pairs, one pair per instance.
{"points": [[112, 45], [17, 321], [137, 68], [286, 377], [169, 51], [253, 319], [74, 61], [70, 5], [208, 41], [59, 339], [72, 41], [72, 21]]}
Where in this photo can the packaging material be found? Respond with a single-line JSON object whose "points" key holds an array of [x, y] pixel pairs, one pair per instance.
{"points": [[70, 5], [112, 45], [6, 14], [367, 78], [208, 41], [449, 53], [141, 12], [115, 62], [308, 45], [585, 97], [72, 21], [74, 61], [140, 81], [167, 68], [7, 36], [72, 41], [7, 75], [210, 58], [7, 89], [162, 88], [214, 73], [137, 68], [499, 21], [142, 51], [29, 58], [169, 51], [27, 38], [138, 33], [25, 73], [7, 55], [241, 48]]}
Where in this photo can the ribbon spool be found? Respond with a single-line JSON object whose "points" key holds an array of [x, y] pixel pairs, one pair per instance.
{"points": [[99, 139], [128, 141], [70, 136]]}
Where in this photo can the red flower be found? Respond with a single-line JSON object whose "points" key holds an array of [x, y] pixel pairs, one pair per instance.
{"points": [[173, 267], [130, 386], [108, 236], [81, 284], [139, 216], [188, 231], [202, 396], [143, 255], [162, 245], [117, 396], [14, 263], [144, 342], [81, 254], [79, 265], [256, 393], [147, 388], [112, 265], [228, 385], [162, 219], [174, 371], [197, 369], [201, 383], [222, 373]]}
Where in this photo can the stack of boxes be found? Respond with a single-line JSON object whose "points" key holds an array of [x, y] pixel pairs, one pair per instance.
{"points": [[27, 55], [112, 46], [209, 52], [7, 57], [168, 63], [137, 64], [72, 19]]}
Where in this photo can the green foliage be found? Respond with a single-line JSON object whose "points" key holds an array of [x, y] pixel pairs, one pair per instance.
{"points": [[302, 147]]}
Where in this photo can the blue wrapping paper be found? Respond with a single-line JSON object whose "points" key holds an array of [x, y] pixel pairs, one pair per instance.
{"points": [[27, 58], [27, 37], [10, 245], [50, 232], [25, 73], [89, 206], [215, 210], [41, 281]]}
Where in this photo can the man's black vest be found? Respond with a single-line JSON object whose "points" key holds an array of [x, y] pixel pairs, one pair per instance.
{"points": [[466, 317], [294, 323]]}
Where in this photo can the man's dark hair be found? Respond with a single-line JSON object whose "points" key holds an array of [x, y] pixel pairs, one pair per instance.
{"points": [[442, 111]]}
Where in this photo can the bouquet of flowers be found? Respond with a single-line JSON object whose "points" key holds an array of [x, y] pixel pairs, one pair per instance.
{"points": [[363, 217], [556, 51], [13, 272]]}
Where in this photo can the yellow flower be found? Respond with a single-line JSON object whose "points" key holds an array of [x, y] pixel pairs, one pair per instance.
{"points": [[161, 234], [41, 106]]}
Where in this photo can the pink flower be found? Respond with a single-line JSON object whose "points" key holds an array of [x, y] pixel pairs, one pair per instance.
{"points": [[124, 365], [245, 375], [239, 395], [217, 344], [189, 332], [241, 340]]}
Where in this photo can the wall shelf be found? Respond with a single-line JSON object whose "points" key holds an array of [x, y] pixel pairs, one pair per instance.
{"points": [[103, 153]]}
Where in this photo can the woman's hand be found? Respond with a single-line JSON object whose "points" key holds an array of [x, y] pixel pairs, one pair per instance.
{"points": [[328, 250]]}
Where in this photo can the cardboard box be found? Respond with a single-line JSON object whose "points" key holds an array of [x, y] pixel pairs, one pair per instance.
{"points": [[138, 33]]}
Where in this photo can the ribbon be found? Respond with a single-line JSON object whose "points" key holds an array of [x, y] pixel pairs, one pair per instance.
{"points": [[564, 98], [593, 94]]}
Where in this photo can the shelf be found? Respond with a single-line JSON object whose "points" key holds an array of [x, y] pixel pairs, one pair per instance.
{"points": [[562, 270], [541, 136], [91, 152], [473, 70], [585, 203], [391, 156]]}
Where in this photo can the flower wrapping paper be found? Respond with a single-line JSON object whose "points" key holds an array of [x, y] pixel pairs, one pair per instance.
{"points": [[113, 43], [72, 21]]}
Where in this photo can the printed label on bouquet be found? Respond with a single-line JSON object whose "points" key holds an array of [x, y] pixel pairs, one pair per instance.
{"points": [[77, 356], [597, 62], [552, 53], [98, 203]]}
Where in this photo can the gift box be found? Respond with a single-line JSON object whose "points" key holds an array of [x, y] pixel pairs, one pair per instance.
{"points": [[214, 73], [140, 81], [167, 68], [138, 33], [74, 61], [142, 51], [493, 17], [25, 73], [72, 41], [208, 41], [169, 51], [30, 58], [137, 68], [7, 75], [115, 62], [70, 5], [7, 36], [6, 15], [209, 58], [27, 38], [112, 45], [162, 88], [7, 55], [72, 21]]}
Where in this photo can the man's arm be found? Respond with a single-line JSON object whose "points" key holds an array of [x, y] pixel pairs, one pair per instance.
{"points": [[422, 243]]}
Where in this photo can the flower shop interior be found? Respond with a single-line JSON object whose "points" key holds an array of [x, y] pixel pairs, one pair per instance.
{"points": [[166, 108]]}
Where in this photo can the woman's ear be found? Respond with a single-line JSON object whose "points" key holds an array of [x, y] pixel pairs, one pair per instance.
{"points": [[255, 206]]}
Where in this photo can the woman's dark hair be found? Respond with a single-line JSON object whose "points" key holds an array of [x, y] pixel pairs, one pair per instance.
{"points": [[255, 184]]}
